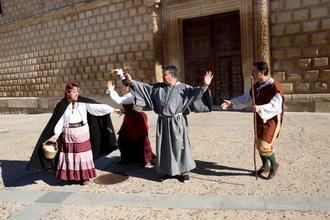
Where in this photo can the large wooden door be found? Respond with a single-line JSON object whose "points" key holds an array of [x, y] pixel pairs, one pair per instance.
{"points": [[213, 43]]}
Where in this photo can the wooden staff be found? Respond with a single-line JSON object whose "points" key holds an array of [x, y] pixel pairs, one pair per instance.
{"points": [[255, 129]]}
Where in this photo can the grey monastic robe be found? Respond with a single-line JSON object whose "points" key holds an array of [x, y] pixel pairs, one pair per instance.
{"points": [[171, 103]]}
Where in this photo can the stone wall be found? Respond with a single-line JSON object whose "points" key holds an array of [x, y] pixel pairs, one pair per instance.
{"points": [[81, 42], [300, 45], [14, 10]]}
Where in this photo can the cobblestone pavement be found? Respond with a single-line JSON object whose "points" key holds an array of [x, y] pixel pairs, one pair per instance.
{"points": [[221, 187]]}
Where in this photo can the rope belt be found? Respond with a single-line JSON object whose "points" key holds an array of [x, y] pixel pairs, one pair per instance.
{"points": [[170, 116]]}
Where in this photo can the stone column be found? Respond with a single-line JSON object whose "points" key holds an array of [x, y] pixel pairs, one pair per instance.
{"points": [[155, 9], [261, 19]]}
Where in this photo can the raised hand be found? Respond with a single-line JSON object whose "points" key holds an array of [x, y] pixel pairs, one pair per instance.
{"points": [[128, 77], [208, 78], [225, 105], [110, 85]]}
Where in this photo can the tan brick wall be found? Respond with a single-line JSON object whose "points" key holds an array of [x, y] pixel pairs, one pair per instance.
{"points": [[14, 10], [300, 45], [39, 56]]}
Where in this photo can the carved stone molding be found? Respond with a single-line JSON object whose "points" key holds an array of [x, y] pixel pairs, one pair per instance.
{"points": [[175, 13], [261, 30]]}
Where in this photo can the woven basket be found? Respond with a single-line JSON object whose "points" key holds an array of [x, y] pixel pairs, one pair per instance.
{"points": [[49, 149]]}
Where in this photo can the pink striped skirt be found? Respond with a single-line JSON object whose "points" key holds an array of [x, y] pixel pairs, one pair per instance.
{"points": [[76, 158]]}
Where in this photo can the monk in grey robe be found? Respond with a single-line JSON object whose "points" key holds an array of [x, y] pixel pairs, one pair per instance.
{"points": [[171, 100]]}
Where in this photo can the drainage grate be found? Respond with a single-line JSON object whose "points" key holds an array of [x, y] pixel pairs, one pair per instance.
{"points": [[109, 179]]}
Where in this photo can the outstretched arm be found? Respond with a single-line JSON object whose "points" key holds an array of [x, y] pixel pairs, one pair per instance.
{"points": [[239, 102], [141, 92]]}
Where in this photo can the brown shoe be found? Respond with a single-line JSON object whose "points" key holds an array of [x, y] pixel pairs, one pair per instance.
{"points": [[263, 169], [273, 171]]}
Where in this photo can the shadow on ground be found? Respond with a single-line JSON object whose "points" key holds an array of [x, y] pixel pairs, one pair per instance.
{"points": [[15, 174], [208, 168], [132, 170]]}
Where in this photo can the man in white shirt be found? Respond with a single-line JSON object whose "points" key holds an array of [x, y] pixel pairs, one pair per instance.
{"points": [[269, 108]]}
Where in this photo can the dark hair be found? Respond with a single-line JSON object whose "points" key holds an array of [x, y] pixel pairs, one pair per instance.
{"points": [[172, 69], [128, 107], [262, 67], [69, 87]]}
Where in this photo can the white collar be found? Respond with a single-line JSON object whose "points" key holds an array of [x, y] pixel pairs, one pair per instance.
{"points": [[268, 82]]}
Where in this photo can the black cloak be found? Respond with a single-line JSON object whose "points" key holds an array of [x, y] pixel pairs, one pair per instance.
{"points": [[102, 136]]}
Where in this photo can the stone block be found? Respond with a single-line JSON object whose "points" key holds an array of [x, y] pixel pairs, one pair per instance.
{"points": [[23, 103], [293, 106], [283, 17], [280, 76], [277, 29], [320, 62], [310, 2], [293, 28], [138, 37], [304, 63], [293, 76], [325, 24], [303, 87], [320, 87], [322, 107], [278, 53], [137, 20], [324, 50], [293, 52], [277, 65], [313, 25], [276, 5], [318, 12], [283, 41], [302, 14], [319, 38], [128, 21], [289, 65], [138, 2], [310, 51], [292, 4], [301, 40], [3, 102], [132, 12], [325, 74], [43, 103], [287, 87], [311, 74]]}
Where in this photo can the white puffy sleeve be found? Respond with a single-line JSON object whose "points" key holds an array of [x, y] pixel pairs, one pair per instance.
{"points": [[274, 107], [99, 109], [125, 99]]}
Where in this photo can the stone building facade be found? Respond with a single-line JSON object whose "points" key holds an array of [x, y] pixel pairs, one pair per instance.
{"points": [[44, 44]]}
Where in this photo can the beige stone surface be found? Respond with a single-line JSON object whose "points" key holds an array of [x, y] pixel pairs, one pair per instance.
{"points": [[222, 144], [87, 212], [7, 209]]}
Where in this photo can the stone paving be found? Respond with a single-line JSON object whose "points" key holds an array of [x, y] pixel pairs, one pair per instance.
{"points": [[221, 187]]}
